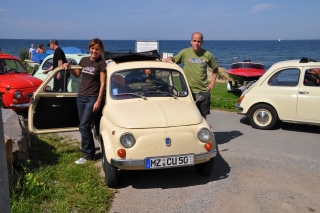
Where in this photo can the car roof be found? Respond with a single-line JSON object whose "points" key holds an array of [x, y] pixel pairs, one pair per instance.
{"points": [[296, 63], [7, 56], [76, 56], [127, 57]]}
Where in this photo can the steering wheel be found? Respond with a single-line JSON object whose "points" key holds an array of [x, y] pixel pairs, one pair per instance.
{"points": [[172, 90], [11, 70]]}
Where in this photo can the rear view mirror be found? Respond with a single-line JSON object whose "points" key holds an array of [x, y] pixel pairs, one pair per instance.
{"points": [[199, 97]]}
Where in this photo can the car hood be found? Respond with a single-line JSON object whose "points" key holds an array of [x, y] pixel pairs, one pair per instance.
{"points": [[153, 114], [19, 81]]}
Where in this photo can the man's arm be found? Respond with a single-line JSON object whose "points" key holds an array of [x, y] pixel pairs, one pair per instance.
{"points": [[48, 70], [213, 79]]}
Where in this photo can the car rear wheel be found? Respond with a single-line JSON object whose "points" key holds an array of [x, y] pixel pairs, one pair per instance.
{"points": [[110, 172], [263, 116], [205, 168]]}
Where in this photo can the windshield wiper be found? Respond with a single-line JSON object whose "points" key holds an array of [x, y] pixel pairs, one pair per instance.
{"points": [[133, 94], [160, 92]]}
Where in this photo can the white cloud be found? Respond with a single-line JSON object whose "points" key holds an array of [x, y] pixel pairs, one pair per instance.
{"points": [[262, 7], [2, 10]]}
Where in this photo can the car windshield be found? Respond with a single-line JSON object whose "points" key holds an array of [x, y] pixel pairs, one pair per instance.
{"points": [[147, 82], [11, 65]]}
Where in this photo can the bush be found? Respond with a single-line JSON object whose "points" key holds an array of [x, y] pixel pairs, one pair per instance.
{"points": [[23, 54]]}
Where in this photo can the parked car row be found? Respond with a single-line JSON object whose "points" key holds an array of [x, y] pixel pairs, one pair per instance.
{"points": [[149, 119]]}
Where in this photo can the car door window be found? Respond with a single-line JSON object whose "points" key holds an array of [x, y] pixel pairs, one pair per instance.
{"points": [[66, 83], [311, 77], [287, 77]]}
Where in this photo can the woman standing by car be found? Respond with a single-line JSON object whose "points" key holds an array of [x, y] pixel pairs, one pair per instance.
{"points": [[90, 95]]}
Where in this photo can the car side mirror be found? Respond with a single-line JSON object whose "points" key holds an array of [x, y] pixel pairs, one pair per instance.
{"points": [[199, 97]]}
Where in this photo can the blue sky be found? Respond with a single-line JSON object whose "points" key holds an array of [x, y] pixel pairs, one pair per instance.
{"points": [[160, 19]]}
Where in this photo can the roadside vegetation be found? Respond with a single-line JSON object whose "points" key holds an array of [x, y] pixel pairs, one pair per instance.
{"points": [[52, 182], [23, 54], [222, 99]]}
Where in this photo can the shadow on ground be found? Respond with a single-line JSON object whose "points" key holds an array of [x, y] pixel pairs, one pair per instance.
{"points": [[288, 126]]}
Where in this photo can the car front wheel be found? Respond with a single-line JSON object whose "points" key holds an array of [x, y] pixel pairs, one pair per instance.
{"points": [[205, 168], [263, 116], [110, 172]]}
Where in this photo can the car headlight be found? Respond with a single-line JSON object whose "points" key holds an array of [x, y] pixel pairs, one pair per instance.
{"points": [[204, 135], [17, 94], [127, 140]]}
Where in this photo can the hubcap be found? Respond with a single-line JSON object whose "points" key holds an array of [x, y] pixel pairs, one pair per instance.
{"points": [[262, 117]]}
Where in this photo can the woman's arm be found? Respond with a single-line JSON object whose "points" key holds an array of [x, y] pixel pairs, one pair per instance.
{"points": [[96, 105]]}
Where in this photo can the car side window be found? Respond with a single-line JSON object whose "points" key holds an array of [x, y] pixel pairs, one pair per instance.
{"points": [[72, 61], [47, 64], [66, 83], [287, 77], [311, 77]]}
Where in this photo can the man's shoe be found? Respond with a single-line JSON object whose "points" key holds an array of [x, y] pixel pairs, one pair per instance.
{"points": [[81, 161]]}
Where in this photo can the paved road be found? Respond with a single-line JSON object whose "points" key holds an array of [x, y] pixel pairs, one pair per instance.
{"points": [[256, 171]]}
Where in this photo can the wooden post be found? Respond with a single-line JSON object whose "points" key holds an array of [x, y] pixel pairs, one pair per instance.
{"points": [[4, 182]]}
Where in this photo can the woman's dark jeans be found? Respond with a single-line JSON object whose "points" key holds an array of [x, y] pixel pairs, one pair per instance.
{"points": [[86, 117]]}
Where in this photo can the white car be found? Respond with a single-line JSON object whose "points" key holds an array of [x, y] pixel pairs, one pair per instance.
{"points": [[149, 120], [73, 59], [283, 93]]}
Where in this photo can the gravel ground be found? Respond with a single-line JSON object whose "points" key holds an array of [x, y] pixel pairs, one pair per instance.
{"points": [[255, 171]]}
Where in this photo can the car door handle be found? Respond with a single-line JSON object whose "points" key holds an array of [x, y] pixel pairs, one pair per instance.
{"points": [[55, 105], [303, 92]]}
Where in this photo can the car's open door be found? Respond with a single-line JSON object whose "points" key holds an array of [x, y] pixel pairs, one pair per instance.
{"points": [[53, 106]]}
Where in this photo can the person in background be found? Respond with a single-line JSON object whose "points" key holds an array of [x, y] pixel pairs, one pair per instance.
{"points": [[31, 51], [0, 51], [40, 49], [90, 95], [312, 78], [58, 58], [195, 61]]}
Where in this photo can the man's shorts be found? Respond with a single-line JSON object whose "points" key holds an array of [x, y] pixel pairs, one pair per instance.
{"points": [[204, 105]]}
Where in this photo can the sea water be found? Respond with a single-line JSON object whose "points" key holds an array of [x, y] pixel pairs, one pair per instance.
{"points": [[266, 52]]}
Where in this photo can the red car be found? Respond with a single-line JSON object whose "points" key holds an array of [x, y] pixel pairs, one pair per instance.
{"points": [[16, 84]]}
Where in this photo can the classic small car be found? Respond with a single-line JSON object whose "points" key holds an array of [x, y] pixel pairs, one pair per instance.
{"points": [[283, 93], [149, 120], [16, 84]]}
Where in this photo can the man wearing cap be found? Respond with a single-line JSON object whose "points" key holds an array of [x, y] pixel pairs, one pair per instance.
{"points": [[58, 58]]}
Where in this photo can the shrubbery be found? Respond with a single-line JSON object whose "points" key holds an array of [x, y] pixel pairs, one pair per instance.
{"points": [[23, 54]]}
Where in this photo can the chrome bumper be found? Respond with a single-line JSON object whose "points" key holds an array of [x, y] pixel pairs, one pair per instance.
{"points": [[128, 164], [238, 107], [20, 105]]}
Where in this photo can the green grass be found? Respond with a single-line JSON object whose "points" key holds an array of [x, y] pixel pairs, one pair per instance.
{"points": [[52, 182], [222, 99]]}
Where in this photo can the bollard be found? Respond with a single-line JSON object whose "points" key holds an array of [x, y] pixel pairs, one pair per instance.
{"points": [[4, 182]]}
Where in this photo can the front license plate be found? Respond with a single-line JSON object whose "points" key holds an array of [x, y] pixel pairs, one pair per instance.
{"points": [[169, 161]]}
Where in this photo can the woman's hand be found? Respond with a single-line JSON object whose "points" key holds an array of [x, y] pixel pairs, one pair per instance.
{"points": [[96, 106]]}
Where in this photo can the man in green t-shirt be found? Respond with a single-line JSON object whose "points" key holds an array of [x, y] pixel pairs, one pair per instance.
{"points": [[195, 61]]}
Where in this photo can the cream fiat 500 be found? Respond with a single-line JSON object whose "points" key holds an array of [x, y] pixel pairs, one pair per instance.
{"points": [[288, 91], [149, 119]]}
